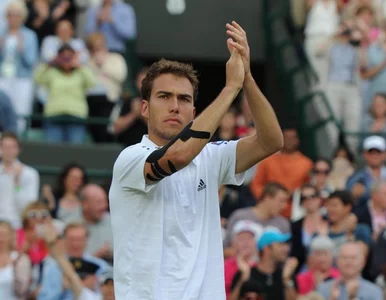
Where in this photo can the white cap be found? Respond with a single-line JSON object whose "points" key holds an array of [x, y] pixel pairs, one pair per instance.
{"points": [[374, 142], [247, 226]]}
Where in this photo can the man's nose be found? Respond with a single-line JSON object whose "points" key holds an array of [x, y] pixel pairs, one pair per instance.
{"points": [[173, 104]]}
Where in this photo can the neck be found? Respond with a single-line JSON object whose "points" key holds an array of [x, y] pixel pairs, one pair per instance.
{"points": [[226, 134], [4, 252], [262, 211], [13, 30], [339, 226], [157, 140], [347, 279], [8, 163], [267, 265], [375, 171], [315, 216], [88, 219]]}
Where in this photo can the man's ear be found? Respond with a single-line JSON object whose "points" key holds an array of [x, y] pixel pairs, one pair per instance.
{"points": [[145, 109]]}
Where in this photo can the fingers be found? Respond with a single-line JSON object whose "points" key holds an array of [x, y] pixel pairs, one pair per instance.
{"points": [[234, 29], [233, 45], [235, 24]]}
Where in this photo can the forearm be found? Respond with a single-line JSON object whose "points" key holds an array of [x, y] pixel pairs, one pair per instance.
{"points": [[290, 294], [370, 73], [68, 271], [207, 122], [268, 131], [236, 290], [123, 123]]}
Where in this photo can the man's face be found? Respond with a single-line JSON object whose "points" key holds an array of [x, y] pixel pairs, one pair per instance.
{"points": [[350, 260], [14, 18], [278, 203], [374, 158], [108, 290], [9, 149], [280, 252], [171, 106], [95, 204], [291, 140], [245, 244], [379, 197], [64, 30], [76, 241], [322, 259], [336, 210]]}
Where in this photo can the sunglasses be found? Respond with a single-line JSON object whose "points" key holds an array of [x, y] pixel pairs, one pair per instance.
{"points": [[308, 197], [38, 214], [321, 172]]}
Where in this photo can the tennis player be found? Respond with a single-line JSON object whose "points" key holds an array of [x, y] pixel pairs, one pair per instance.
{"points": [[164, 193]]}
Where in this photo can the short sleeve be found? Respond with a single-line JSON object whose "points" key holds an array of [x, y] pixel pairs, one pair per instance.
{"points": [[223, 156], [128, 169]]}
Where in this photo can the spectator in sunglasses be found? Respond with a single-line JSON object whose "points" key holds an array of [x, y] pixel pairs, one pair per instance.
{"points": [[29, 239], [304, 229], [320, 177]]}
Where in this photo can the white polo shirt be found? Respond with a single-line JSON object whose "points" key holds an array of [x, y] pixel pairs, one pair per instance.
{"points": [[167, 236]]}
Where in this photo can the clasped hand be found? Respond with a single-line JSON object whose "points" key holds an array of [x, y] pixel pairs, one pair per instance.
{"points": [[238, 65]]}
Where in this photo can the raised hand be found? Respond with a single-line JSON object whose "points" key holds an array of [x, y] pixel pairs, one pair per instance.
{"points": [[235, 73], [244, 268], [289, 268], [238, 40]]}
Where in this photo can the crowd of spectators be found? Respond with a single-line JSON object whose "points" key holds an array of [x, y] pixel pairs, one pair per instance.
{"points": [[295, 229], [65, 58]]}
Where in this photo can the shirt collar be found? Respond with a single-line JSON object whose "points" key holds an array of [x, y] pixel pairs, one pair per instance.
{"points": [[149, 143]]}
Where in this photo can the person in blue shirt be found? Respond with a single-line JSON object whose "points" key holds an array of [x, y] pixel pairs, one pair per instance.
{"points": [[359, 184], [8, 119], [116, 20], [75, 239]]}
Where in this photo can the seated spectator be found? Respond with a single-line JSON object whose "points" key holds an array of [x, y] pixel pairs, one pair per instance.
{"points": [[341, 168], [43, 15], [274, 273], [65, 112], [350, 285], [95, 216], [111, 71], [128, 123], [266, 213], [30, 240], [359, 184], [351, 11], [227, 128], [75, 240], [321, 269], [81, 273], [64, 202], [374, 213], [19, 183], [288, 167], [341, 228], [373, 63], [376, 121], [64, 36], [244, 238], [116, 20], [8, 118], [305, 229], [342, 89], [15, 269], [18, 57], [322, 23], [244, 121]]}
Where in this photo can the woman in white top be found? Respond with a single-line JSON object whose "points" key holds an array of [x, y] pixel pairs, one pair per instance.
{"points": [[322, 24], [15, 268], [111, 71]]}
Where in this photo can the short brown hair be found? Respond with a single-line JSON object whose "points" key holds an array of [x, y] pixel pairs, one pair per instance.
{"points": [[93, 38], [10, 135], [271, 189], [75, 225], [164, 66], [364, 9]]}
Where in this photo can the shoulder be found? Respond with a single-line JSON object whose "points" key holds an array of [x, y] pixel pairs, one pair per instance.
{"points": [[29, 171], [370, 287], [241, 213], [325, 286], [125, 6], [133, 151], [28, 33], [115, 57]]}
